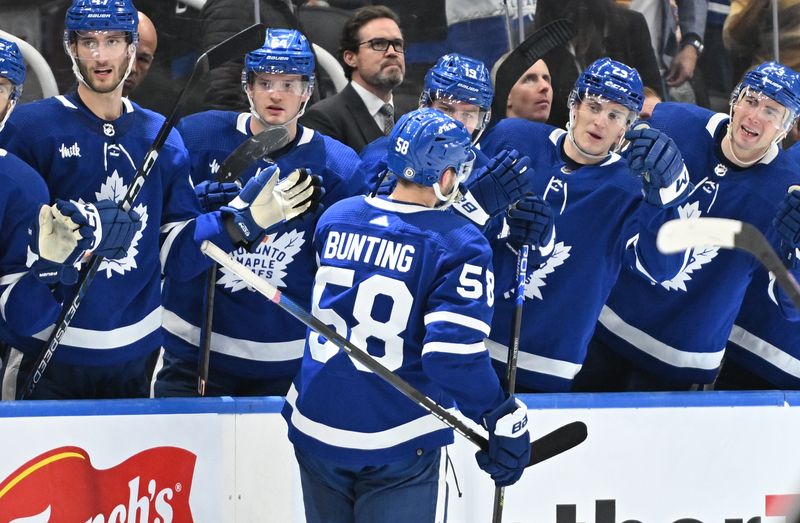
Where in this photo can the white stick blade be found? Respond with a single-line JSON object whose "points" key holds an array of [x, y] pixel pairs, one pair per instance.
{"points": [[680, 235]]}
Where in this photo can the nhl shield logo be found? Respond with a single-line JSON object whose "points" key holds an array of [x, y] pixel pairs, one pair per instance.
{"points": [[720, 170], [108, 129]]}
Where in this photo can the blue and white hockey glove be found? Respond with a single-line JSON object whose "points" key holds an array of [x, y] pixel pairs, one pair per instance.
{"points": [[215, 195], [502, 182], [787, 221], [530, 222], [509, 443], [655, 157], [113, 228], [58, 245], [265, 202]]}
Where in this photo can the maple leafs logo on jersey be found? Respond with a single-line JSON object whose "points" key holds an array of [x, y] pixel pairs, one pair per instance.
{"points": [[114, 188], [269, 261], [536, 280], [695, 258]]}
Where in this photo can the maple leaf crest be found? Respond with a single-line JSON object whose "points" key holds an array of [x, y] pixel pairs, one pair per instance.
{"points": [[695, 258], [114, 189], [269, 261], [536, 280]]}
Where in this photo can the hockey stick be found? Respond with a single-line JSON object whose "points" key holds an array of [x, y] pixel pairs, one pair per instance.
{"points": [[679, 235], [549, 445], [254, 148], [233, 47], [513, 354], [538, 44]]}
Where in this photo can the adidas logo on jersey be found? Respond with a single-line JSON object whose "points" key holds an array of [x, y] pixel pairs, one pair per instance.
{"points": [[73, 151]]}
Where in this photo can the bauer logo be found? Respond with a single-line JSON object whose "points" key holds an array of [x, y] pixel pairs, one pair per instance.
{"points": [[62, 485]]}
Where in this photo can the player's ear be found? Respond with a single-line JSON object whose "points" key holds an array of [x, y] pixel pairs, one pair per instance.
{"points": [[349, 58]]}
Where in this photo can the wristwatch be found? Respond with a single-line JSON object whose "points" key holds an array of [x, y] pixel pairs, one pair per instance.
{"points": [[694, 41]]}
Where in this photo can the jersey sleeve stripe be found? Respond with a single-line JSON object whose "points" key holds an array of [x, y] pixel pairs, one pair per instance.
{"points": [[453, 348], [172, 230], [382, 439], [9, 280], [458, 319], [535, 363], [109, 339]]}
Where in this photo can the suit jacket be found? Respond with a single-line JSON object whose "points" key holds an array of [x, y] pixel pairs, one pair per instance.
{"points": [[344, 117]]}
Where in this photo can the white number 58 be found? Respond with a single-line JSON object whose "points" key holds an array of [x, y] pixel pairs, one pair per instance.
{"points": [[471, 286]]}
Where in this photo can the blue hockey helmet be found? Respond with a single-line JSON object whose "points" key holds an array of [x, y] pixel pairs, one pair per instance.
{"points": [[12, 66], [285, 51], [613, 81], [102, 15], [425, 143], [461, 78], [776, 81]]}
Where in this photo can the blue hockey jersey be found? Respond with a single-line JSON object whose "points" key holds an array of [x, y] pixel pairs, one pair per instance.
{"points": [[601, 224], [679, 328], [251, 336], [23, 192], [413, 286], [87, 159]]}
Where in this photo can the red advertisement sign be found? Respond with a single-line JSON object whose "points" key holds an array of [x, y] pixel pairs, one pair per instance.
{"points": [[62, 485]]}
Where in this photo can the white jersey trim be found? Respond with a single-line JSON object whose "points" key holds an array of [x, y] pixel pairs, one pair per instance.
{"points": [[241, 123], [458, 319], [765, 350], [306, 137], [657, 349], [350, 439], [172, 230], [112, 339], [453, 348], [65, 102], [535, 363], [400, 208], [250, 350], [10, 280]]}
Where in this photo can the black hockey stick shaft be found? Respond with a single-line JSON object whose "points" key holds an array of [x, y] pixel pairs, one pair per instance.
{"points": [[233, 47], [549, 445], [513, 354], [538, 44], [254, 148]]}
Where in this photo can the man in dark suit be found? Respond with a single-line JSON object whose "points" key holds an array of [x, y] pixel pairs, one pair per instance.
{"points": [[372, 50]]}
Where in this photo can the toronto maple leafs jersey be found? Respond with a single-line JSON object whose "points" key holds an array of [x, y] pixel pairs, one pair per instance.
{"points": [[23, 192], [601, 224], [679, 328], [252, 337], [85, 158], [413, 286]]}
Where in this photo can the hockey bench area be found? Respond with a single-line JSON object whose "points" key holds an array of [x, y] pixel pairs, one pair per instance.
{"points": [[663, 458]]}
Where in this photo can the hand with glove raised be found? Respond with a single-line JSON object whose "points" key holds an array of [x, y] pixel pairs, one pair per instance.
{"points": [[59, 245], [265, 202], [113, 228], [655, 157], [502, 182], [509, 443], [787, 221], [530, 222], [215, 195]]}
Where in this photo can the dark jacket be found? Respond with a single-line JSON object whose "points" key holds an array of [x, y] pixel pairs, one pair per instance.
{"points": [[345, 117]]}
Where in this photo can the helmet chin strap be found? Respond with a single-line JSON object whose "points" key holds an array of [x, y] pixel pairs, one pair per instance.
{"points": [[9, 108], [77, 70], [571, 136]]}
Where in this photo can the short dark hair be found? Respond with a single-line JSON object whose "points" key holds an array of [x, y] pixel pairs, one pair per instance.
{"points": [[361, 17]]}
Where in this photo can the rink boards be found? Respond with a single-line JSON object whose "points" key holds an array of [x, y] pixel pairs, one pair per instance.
{"points": [[662, 458]]}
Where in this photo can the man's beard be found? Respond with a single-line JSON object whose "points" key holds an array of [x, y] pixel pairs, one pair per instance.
{"points": [[90, 82], [387, 79]]}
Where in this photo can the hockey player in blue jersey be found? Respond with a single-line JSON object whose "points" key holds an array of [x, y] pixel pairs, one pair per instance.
{"points": [[255, 348], [413, 285], [673, 335], [461, 87], [88, 160], [602, 222]]}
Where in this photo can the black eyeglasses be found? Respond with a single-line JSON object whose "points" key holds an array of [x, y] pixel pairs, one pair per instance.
{"points": [[382, 44]]}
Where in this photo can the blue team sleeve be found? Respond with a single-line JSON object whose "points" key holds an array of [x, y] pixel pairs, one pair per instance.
{"points": [[641, 254], [457, 320]]}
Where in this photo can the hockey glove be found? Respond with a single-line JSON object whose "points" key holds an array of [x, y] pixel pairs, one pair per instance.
{"points": [[214, 195], [265, 202], [787, 221], [509, 443], [58, 245], [530, 222], [113, 228], [502, 182], [654, 156]]}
